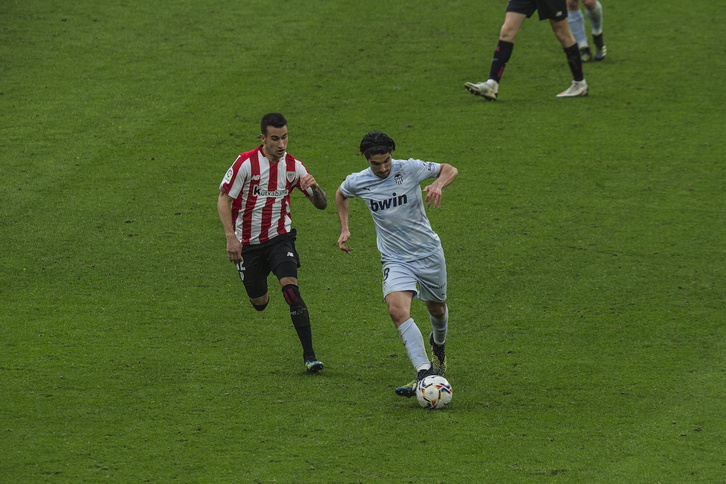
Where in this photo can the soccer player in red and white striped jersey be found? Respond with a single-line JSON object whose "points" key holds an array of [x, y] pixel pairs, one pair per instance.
{"points": [[254, 207]]}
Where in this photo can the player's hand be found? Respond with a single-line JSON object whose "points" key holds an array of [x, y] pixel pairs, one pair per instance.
{"points": [[344, 236], [433, 195], [307, 181], [234, 250]]}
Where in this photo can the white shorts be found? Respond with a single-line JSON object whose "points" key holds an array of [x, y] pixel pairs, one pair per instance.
{"points": [[426, 278]]}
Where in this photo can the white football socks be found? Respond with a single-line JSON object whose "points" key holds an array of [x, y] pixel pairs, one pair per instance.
{"points": [[414, 343], [595, 16], [577, 26], [440, 326]]}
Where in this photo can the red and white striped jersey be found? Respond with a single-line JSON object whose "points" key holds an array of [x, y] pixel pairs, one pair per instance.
{"points": [[261, 192]]}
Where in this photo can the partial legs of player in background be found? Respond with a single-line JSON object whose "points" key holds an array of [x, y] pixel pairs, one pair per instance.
{"points": [[593, 10], [562, 31], [512, 23]]}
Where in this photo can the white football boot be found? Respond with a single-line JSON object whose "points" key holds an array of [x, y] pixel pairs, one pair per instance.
{"points": [[488, 89], [577, 89]]}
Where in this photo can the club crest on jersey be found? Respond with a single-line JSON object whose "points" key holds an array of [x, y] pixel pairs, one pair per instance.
{"points": [[394, 201], [290, 176], [398, 179]]}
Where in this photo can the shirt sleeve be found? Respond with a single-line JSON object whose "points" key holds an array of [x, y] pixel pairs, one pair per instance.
{"points": [[235, 178], [425, 169], [348, 187]]}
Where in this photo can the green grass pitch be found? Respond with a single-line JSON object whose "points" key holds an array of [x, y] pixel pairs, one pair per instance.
{"points": [[584, 242]]}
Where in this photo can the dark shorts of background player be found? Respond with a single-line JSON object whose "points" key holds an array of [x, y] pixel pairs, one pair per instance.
{"points": [[277, 256], [548, 9]]}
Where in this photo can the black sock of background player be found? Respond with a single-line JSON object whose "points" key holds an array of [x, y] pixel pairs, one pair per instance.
{"points": [[575, 62], [502, 54]]}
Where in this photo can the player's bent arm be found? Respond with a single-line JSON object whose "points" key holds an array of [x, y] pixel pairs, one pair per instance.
{"points": [[313, 191], [447, 174], [319, 199], [435, 190], [342, 204]]}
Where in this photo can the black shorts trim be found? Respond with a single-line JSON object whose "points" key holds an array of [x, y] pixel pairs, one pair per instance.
{"points": [[547, 9]]}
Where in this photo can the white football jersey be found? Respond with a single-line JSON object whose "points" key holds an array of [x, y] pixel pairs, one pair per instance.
{"points": [[396, 203]]}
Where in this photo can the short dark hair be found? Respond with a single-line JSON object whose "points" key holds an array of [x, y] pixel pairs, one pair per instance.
{"points": [[376, 143], [276, 120]]}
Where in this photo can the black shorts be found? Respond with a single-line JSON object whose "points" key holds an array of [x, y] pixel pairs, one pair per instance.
{"points": [[278, 256], [547, 9]]}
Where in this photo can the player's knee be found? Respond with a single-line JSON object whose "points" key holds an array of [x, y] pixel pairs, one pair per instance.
{"points": [[507, 35], [508, 32], [398, 314], [260, 307], [436, 309], [260, 303]]}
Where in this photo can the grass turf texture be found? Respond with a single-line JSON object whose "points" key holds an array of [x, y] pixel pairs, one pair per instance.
{"points": [[584, 240]]}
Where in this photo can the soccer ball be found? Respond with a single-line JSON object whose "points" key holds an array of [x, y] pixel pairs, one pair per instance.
{"points": [[434, 392]]}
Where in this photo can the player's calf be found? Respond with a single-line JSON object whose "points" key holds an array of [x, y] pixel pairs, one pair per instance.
{"points": [[301, 321]]}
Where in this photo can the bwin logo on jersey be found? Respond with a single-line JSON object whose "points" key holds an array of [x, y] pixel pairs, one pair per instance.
{"points": [[394, 201]]}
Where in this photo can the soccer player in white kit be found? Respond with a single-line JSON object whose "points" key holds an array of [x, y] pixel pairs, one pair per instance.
{"points": [[411, 253]]}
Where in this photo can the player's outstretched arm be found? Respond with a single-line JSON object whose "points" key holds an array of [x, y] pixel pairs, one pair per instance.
{"points": [[434, 191], [343, 206]]}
